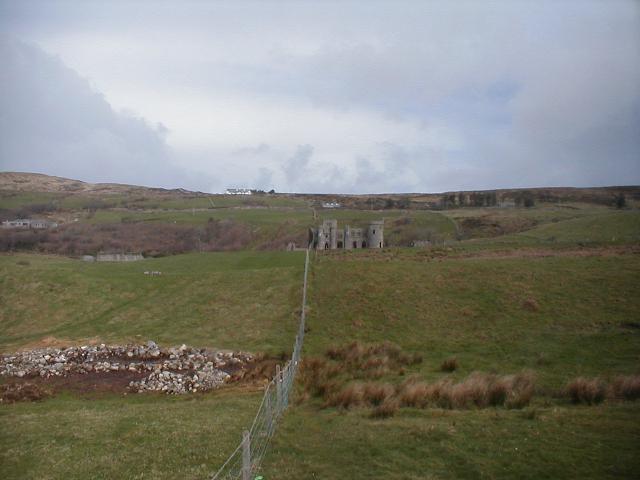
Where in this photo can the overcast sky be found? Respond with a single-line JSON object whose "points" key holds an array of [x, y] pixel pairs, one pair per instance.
{"points": [[341, 97]]}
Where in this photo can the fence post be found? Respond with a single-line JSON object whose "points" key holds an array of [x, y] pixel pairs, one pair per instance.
{"points": [[246, 455], [278, 390], [268, 413]]}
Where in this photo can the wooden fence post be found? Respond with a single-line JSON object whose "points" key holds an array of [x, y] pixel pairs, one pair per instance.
{"points": [[278, 390], [246, 456]]}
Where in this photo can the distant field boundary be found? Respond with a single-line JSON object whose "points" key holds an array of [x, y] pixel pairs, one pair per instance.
{"points": [[246, 459]]}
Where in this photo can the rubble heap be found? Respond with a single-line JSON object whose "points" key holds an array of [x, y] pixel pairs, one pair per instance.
{"points": [[171, 370]]}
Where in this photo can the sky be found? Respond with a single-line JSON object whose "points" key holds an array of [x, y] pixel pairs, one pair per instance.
{"points": [[327, 97]]}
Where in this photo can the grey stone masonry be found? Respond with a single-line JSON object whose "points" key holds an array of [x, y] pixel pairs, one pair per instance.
{"points": [[329, 237]]}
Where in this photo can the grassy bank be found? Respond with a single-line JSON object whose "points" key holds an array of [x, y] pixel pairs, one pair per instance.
{"points": [[133, 437], [558, 317], [243, 300]]}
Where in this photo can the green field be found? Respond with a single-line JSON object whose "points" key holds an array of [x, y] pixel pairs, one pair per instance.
{"points": [[241, 300], [133, 437], [560, 299]]}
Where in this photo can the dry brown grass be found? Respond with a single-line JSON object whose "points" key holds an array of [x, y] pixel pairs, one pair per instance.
{"points": [[586, 390], [449, 365], [376, 393], [479, 390], [363, 356], [531, 304], [414, 393], [386, 409], [317, 377], [626, 386], [351, 395], [329, 378]]}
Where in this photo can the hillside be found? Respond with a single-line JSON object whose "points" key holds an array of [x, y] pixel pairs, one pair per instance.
{"points": [[111, 217], [37, 182], [544, 295]]}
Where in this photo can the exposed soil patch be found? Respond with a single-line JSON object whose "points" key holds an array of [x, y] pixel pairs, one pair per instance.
{"points": [[22, 391], [128, 368], [102, 369]]}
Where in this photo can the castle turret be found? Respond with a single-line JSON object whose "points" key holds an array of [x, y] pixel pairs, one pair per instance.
{"points": [[328, 235], [375, 234]]}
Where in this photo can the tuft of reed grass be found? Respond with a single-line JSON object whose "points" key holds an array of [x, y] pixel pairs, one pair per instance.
{"points": [[377, 393], [586, 390], [449, 365], [626, 386], [479, 390], [351, 395], [386, 409]]}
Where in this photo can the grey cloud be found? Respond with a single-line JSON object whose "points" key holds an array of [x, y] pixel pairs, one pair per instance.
{"points": [[296, 166], [52, 121], [535, 93]]}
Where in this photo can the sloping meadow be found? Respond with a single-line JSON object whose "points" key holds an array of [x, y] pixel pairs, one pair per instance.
{"points": [[462, 367]]}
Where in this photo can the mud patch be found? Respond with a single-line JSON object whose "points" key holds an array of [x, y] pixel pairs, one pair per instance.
{"points": [[22, 392]]}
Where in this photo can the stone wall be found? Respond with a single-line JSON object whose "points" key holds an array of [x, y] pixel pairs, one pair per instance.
{"points": [[119, 257]]}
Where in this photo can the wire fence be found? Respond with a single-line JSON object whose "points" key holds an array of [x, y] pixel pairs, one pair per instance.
{"points": [[244, 463]]}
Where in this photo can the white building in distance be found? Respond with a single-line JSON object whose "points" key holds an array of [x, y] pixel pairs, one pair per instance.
{"points": [[36, 224], [238, 191]]}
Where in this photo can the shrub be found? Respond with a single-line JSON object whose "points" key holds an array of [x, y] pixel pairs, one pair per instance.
{"points": [[585, 390], [449, 365]]}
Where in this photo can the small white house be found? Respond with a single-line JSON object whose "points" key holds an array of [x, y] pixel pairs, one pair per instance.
{"points": [[331, 205], [37, 224], [238, 191]]}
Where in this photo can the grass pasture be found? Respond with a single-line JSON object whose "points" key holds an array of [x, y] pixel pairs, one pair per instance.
{"points": [[559, 299], [557, 316], [133, 437], [241, 300]]}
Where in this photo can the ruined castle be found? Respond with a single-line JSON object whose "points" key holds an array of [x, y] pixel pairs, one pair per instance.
{"points": [[329, 237]]}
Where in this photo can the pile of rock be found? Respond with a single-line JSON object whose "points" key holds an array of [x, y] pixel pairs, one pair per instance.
{"points": [[173, 370], [170, 382]]}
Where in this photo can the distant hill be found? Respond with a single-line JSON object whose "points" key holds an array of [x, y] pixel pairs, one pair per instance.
{"points": [[38, 182]]}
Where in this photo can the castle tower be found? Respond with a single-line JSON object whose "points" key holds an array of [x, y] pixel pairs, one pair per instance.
{"points": [[328, 235], [348, 240], [375, 234]]}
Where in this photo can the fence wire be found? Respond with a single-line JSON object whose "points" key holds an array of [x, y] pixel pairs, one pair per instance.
{"points": [[244, 463]]}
